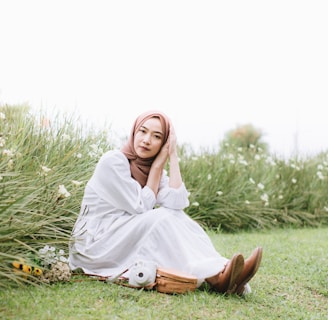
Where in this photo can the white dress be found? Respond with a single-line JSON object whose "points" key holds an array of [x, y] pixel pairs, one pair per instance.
{"points": [[121, 223]]}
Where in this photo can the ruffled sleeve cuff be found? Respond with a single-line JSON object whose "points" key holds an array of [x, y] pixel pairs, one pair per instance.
{"points": [[172, 198], [148, 198]]}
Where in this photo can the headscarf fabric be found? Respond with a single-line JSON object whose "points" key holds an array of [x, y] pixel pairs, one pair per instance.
{"points": [[140, 167]]}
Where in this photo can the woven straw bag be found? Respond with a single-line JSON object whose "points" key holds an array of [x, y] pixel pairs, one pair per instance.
{"points": [[173, 281]]}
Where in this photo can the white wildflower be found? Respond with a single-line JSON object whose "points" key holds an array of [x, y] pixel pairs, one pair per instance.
{"points": [[45, 170], [47, 255], [78, 155], [219, 193], [270, 161], [8, 153], [76, 183], [195, 204], [294, 166], [62, 192], [92, 154], [44, 250], [2, 116], [50, 256], [251, 180], [257, 157], [294, 180], [264, 197], [95, 151], [2, 142], [320, 175], [320, 167], [247, 202], [244, 162], [209, 176], [260, 186]]}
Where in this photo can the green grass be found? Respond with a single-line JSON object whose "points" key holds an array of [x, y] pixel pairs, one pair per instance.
{"points": [[292, 283]]}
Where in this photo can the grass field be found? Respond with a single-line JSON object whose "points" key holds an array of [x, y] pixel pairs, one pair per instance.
{"points": [[292, 283]]}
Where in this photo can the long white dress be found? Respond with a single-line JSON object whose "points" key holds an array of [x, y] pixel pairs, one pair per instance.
{"points": [[121, 223]]}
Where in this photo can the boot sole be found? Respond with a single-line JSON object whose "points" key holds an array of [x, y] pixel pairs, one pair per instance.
{"points": [[239, 289], [237, 266]]}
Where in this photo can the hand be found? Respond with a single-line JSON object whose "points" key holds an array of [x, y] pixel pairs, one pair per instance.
{"points": [[169, 149], [172, 140], [162, 156]]}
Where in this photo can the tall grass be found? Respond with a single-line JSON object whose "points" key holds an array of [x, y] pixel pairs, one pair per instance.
{"points": [[36, 159], [232, 189], [238, 189]]}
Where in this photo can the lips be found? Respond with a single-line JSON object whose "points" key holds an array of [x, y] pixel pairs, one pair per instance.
{"points": [[144, 148]]}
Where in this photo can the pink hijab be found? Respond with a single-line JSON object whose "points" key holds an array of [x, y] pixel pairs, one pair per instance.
{"points": [[140, 167]]}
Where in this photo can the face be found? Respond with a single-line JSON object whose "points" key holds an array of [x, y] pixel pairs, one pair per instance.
{"points": [[148, 139]]}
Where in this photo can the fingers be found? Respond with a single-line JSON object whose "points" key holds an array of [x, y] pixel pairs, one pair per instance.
{"points": [[172, 139]]}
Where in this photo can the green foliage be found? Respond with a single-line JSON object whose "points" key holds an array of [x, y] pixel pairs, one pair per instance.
{"points": [[43, 169], [45, 164], [237, 189]]}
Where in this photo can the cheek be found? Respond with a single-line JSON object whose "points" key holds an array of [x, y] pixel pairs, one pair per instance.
{"points": [[157, 148], [136, 140], [135, 144]]}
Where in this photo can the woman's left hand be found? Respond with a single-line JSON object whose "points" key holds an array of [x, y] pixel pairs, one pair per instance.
{"points": [[172, 140]]}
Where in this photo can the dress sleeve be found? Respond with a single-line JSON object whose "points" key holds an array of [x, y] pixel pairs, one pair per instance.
{"points": [[112, 182], [170, 197]]}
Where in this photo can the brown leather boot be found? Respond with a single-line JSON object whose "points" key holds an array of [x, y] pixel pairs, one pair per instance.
{"points": [[251, 265], [225, 281]]}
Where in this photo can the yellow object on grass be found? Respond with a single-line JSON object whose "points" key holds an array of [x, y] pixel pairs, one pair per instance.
{"points": [[22, 266]]}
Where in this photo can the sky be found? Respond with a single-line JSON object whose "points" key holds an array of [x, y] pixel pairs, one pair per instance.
{"points": [[211, 66]]}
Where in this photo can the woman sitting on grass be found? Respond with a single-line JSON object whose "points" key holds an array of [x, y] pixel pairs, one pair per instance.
{"points": [[132, 210]]}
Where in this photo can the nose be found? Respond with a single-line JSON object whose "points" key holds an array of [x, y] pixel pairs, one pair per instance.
{"points": [[146, 139]]}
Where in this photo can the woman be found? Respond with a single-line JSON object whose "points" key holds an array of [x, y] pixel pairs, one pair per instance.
{"points": [[133, 210]]}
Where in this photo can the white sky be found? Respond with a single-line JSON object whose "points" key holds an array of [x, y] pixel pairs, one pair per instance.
{"points": [[210, 65]]}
